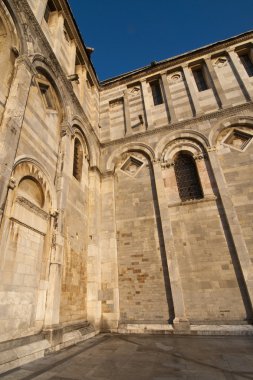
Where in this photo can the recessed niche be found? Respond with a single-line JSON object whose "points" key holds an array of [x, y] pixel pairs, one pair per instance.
{"points": [[30, 189], [220, 62], [132, 166], [238, 139], [175, 77]]}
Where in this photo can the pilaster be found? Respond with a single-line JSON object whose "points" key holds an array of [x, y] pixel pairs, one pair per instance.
{"points": [[233, 60], [147, 104], [234, 225], [191, 93], [109, 293], [52, 314], [181, 321], [94, 254], [12, 123], [168, 99], [127, 114], [217, 88]]}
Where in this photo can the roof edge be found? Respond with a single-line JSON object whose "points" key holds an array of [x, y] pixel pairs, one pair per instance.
{"points": [[171, 59]]}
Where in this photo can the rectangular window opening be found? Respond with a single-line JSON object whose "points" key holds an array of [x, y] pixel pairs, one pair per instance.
{"points": [[47, 95], [156, 92], [200, 79], [49, 9], [247, 63]]}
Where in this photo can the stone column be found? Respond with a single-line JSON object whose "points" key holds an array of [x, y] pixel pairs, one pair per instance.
{"points": [[168, 99], [217, 88], [233, 223], [12, 123], [196, 110], [147, 104], [181, 321]]}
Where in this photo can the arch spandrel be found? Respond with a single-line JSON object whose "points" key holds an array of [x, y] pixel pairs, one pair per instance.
{"points": [[145, 149], [196, 138], [238, 121]]}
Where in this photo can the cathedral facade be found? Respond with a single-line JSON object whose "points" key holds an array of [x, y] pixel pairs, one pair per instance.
{"points": [[125, 205]]}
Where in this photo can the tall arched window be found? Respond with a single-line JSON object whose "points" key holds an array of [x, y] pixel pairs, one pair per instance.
{"points": [[188, 182], [78, 160]]}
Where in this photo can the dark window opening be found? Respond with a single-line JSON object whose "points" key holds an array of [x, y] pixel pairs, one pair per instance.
{"points": [[47, 95], [247, 63], [200, 79], [156, 92], [78, 160], [49, 9], [188, 182]]}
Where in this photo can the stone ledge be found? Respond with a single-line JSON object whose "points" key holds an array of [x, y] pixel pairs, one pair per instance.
{"points": [[240, 330], [221, 330], [18, 356]]}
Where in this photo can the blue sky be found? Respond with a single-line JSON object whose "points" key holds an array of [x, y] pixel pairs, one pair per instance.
{"points": [[129, 34]]}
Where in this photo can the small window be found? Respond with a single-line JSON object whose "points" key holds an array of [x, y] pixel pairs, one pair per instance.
{"points": [[77, 160], [156, 92], [200, 79], [49, 9], [47, 95], [187, 178], [247, 63]]}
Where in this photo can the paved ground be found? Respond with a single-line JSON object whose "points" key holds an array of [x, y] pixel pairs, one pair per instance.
{"points": [[136, 357]]}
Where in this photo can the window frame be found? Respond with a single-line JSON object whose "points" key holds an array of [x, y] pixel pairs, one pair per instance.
{"points": [[156, 91], [200, 75], [77, 167], [195, 183], [47, 95], [239, 131]]}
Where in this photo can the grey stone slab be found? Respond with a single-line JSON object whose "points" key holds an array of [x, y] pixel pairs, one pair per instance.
{"points": [[145, 357]]}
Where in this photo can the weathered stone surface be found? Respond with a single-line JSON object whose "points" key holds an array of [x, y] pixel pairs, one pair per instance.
{"points": [[98, 220]]}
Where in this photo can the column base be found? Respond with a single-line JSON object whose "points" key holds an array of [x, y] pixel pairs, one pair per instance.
{"points": [[181, 324]]}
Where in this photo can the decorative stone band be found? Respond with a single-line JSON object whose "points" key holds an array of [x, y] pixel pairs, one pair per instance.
{"points": [[12, 183], [167, 164], [199, 156], [207, 198], [32, 207]]}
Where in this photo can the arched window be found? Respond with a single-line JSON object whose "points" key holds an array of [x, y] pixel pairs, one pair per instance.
{"points": [[77, 160], [188, 183]]}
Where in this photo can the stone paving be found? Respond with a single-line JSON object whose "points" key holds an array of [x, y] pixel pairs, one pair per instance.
{"points": [[146, 357]]}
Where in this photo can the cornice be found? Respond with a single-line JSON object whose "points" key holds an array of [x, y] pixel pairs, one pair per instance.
{"points": [[24, 8], [78, 37], [190, 123], [174, 62]]}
